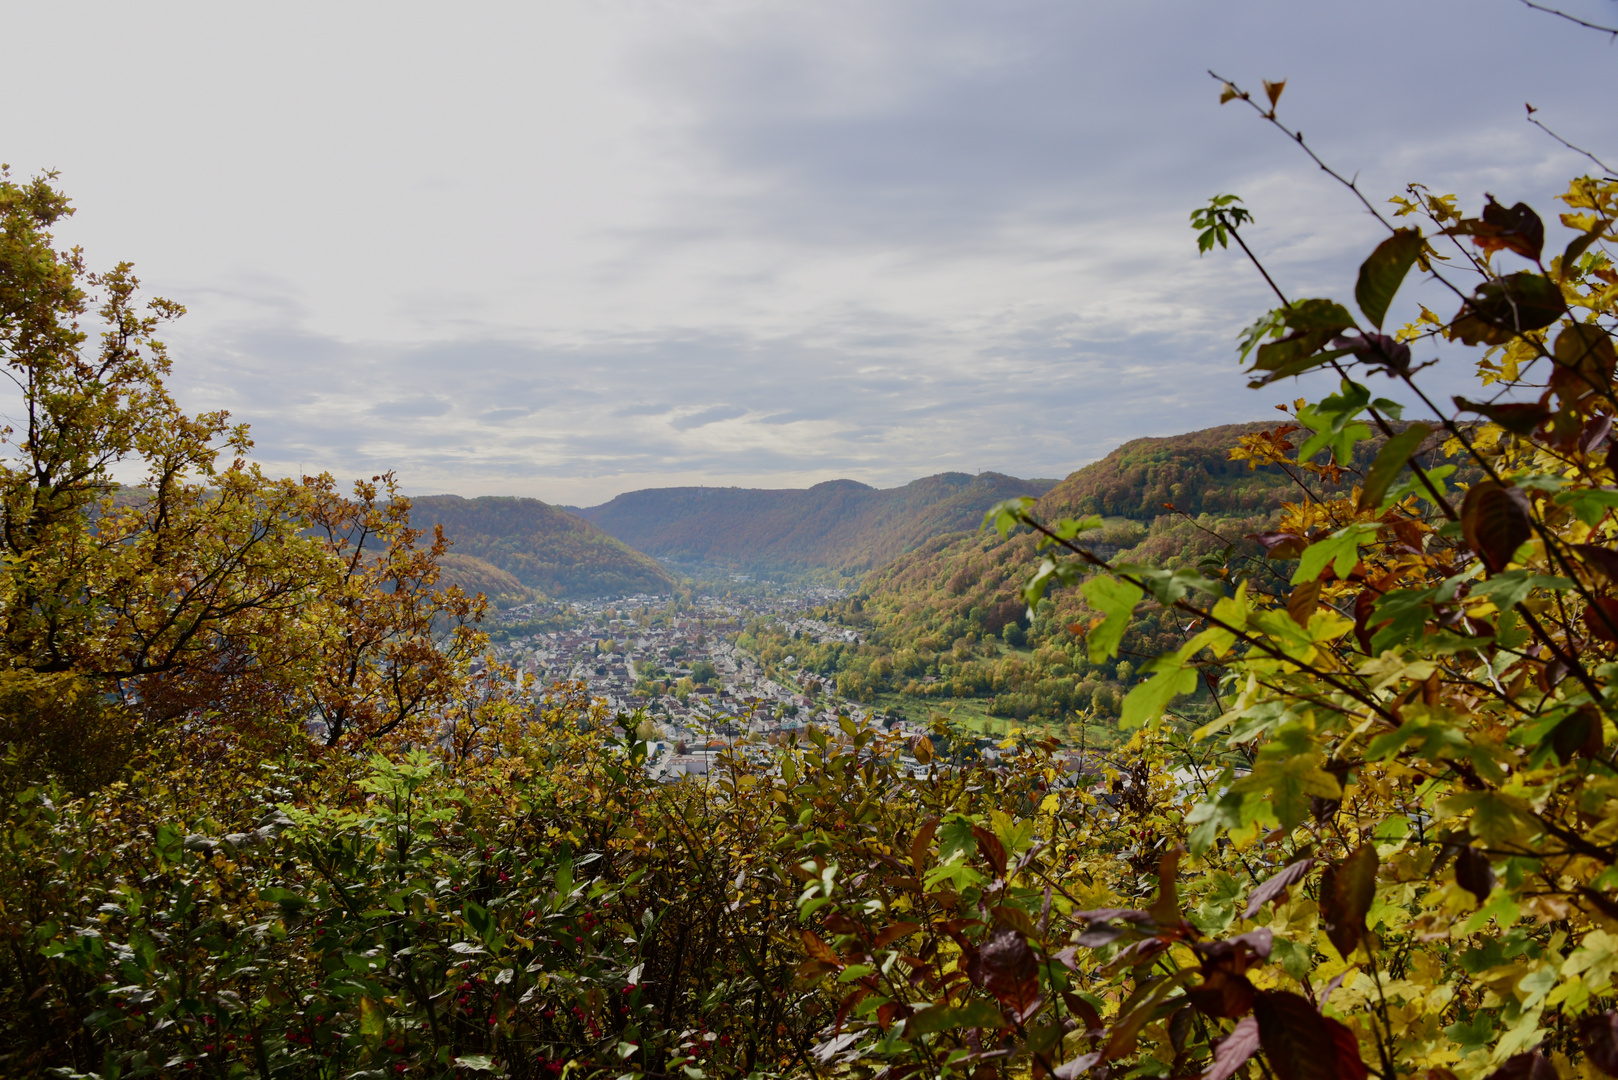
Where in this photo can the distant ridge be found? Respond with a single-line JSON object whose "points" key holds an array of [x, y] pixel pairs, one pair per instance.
{"points": [[841, 524], [542, 547]]}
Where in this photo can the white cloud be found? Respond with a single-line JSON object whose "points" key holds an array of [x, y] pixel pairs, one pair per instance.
{"points": [[571, 249]]}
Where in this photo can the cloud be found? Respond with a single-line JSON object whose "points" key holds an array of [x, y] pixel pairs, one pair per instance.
{"points": [[567, 251], [707, 416]]}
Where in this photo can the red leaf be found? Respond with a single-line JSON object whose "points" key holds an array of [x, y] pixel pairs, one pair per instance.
{"points": [[1233, 1050], [1530, 1066], [989, 845], [1223, 995], [1599, 1036], [1501, 229], [1277, 883], [1496, 522], [1005, 967], [1601, 617], [1300, 1044]]}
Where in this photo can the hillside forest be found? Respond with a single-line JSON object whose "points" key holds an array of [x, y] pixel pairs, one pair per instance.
{"points": [[945, 627], [274, 809]]}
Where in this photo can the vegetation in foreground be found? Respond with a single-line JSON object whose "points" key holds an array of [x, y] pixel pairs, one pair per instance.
{"points": [[1394, 850]]}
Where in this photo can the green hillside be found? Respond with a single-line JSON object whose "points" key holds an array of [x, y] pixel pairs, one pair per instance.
{"points": [[944, 626], [838, 524], [541, 546]]}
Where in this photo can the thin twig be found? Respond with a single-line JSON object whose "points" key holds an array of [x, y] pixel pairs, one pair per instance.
{"points": [[1572, 19], [1576, 149]]}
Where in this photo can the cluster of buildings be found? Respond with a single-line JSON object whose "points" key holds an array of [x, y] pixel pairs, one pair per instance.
{"points": [[676, 658]]}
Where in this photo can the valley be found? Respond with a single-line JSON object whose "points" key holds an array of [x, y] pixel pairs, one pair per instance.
{"points": [[785, 607]]}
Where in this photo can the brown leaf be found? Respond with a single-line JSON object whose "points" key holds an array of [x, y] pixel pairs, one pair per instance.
{"points": [[1599, 1036], [1083, 1010], [989, 846], [1517, 417], [893, 933], [1232, 1052], [1578, 733], [1601, 617], [1300, 1044], [1222, 994], [1303, 601], [922, 844], [921, 748], [1501, 229], [838, 923], [1276, 884], [1584, 362], [1280, 545], [1016, 918], [1005, 967], [1272, 90], [1496, 522], [1346, 893], [1473, 873], [1601, 559], [1165, 910], [1530, 1066], [818, 950]]}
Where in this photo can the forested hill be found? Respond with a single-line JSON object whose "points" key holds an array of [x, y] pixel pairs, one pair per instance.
{"points": [[839, 524], [945, 621], [541, 546], [1193, 472], [973, 572]]}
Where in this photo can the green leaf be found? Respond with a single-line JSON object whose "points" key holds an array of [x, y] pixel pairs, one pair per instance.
{"points": [[1590, 504], [1508, 588], [1341, 549], [1290, 783], [1116, 601], [1145, 703], [1383, 273], [1500, 310], [170, 844], [476, 1062], [1313, 323], [1050, 571], [1389, 463], [1007, 515], [373, 1021], [1271, 325], [974, 1014], [1333, 423], [1496, 818]]}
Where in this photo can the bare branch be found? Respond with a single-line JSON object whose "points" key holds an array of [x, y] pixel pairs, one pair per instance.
{"points": [[1576, 149], [1572, 19]]}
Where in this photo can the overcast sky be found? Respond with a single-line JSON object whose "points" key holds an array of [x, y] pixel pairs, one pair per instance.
{"points": [[572, 249]]}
